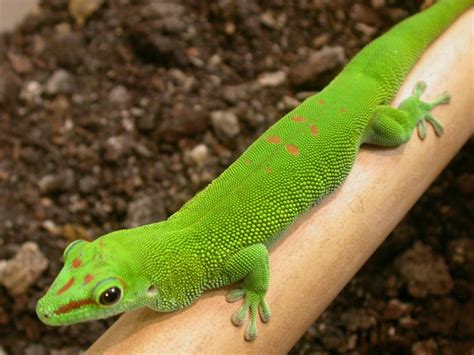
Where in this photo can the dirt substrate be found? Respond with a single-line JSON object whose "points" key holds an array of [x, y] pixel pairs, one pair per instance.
{"points": [[118, 121]]}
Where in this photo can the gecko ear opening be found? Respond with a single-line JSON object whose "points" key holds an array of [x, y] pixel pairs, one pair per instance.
{"points": [[72, 245]]}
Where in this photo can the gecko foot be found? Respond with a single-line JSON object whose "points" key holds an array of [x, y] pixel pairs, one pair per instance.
{"points": [[253, 302], [424, 108]]}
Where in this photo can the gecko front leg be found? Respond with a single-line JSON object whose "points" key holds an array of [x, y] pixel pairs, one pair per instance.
{"points": [[250, 264]]}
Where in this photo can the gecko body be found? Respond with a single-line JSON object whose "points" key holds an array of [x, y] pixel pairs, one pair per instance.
{"points": [[223, 234]]}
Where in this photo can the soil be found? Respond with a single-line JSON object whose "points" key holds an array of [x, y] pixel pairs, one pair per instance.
{"points": [[114, 116]]}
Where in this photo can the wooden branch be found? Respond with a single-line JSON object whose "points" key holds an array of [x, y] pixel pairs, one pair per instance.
{"points": [[325, 248]]}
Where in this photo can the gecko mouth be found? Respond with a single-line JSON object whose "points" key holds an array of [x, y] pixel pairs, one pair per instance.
{"points": [[47, 315]]}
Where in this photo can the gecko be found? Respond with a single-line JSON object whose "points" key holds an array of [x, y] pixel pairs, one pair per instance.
{"points": [[223, 234]]}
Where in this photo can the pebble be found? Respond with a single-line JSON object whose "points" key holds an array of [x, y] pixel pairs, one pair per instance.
{"points": [[199, 154], [31, 92], [318, 62], [20, 63], [183, 120], [60, 182], [82, 9], [272, 79], [60, 82], [225, 123], [36, 349], [9, 86], [117, 146], [461, 257], [147, 122], [425, 272], [22, 271], [119, 95]]}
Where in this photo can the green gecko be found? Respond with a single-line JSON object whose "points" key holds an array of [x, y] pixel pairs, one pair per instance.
{"points": [[222, 235]]}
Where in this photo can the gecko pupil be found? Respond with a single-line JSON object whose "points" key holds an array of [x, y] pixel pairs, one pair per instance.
{"points": [[110, 296]]}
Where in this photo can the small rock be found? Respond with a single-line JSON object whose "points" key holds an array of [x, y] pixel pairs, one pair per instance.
{"points": [[147, 122], [119, 95], [163, 9], [363, 13], [9, 86], [225, 123], [20, 63], [68, 48], [461, 257], [272, 79], [424, 271], [61, 82], [318, 62], [117, 146], [54, 183], [395, 309], [74, 232], [428, 347], [144, 210], [88, 183], [152, 46], [237, 93], [358, 319], [36, 349], [183, 120], [31, 92], [199, 154], [82, 9], [465, 183], [22, 271]]}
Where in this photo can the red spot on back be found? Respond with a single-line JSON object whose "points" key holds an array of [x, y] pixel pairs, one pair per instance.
{"points": [[274, 140], [321, 102], [247, 161], [76, 263], [343, 109], [298, 119], [101, 244], [314, 130], [293, 150], [267, 169], [88, 278], [66, 286], [73, 305]]}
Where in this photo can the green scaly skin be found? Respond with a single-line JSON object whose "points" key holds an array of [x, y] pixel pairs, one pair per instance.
{"points": [[223, 234]]}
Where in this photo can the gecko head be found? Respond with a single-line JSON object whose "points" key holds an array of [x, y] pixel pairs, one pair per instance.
{"points": [[95, 282]]}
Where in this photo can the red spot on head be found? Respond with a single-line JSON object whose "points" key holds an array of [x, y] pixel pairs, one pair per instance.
{"points": [[343, 109], [88, 278], [321, 102], [298, 119], [314, 130], [247, 161], [66, 286], [76, 263], [73, 305], [274, 140], [267, 169], [293, 150]]}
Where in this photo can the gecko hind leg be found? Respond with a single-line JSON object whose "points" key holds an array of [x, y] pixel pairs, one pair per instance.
{"points": [[394, 126], [252, 265]]}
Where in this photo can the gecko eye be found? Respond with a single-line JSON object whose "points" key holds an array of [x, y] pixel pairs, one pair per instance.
{"points": [[108, 292], [110, 296]]}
